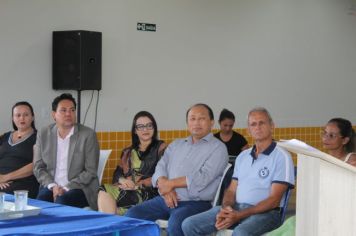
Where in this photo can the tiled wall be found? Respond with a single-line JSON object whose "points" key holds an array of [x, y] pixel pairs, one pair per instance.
{"points": [[118, 140]]}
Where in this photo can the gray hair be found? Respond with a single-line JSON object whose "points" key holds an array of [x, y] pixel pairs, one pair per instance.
{"points": [[262, 110]]}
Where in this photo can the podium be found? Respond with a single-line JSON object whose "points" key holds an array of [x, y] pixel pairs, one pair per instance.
{"points": [[326, 193]]}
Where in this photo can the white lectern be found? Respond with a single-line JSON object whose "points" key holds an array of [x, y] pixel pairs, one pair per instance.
{"points": [[326, 193]]}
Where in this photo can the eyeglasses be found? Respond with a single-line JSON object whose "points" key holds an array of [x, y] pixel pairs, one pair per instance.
{"points": [[327, 135], [141, 127]]}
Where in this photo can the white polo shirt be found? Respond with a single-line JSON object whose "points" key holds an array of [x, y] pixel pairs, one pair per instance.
{"points": [[256, 175]]}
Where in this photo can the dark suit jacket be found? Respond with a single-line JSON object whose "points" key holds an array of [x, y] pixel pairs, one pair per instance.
{"points": [[83, 158]]}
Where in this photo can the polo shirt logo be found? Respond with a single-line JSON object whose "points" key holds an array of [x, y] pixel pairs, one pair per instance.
{"points": [[263, 173]]}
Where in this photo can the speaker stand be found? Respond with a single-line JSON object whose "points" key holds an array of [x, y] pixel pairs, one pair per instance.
{"points": [[78, 106]]}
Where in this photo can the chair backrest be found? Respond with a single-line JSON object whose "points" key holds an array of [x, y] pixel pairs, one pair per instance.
{"points": [[103, 158], [217, 195], [285, 204], [286, 199]]}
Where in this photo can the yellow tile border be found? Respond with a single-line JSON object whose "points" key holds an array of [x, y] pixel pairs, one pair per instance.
{"points": [[117, 140]]}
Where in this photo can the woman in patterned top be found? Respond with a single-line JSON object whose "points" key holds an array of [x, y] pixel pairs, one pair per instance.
{"points": [[132, 180]]}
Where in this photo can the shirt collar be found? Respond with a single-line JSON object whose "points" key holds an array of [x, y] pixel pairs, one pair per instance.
{"points": [[71, 132], [266, 152], [206, 138]]}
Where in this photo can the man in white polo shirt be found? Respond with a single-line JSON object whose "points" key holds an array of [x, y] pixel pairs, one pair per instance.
{"points": [[262, 174], [66, 157]]}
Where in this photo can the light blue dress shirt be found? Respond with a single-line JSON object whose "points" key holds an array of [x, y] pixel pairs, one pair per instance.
{"points": [[202, 163]]}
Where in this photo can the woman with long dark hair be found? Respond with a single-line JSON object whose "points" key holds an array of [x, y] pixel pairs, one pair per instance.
{"points": [[132, 180]]}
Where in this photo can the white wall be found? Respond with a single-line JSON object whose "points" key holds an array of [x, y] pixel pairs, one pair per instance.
{"points": [[297, 58]]}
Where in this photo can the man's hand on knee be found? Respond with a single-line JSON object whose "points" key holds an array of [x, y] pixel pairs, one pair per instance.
{"points": [[164, 185], [57, 191], [226, 218], [171, 199]]}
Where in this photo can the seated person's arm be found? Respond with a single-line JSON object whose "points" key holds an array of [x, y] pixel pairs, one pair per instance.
{"points": [[229, 216], [162, 165], [198, 180], [126, 183], [180, 182], [145, 182], [352, 160], [161, 149], [40, 169], [23, 172], [229, 195], [167, 185], [227, 203], [273, 201], [171, 199]]}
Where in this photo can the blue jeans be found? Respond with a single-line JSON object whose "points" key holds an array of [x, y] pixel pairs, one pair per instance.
{"points": [[204, 223], [156, 208], [73, 197]]}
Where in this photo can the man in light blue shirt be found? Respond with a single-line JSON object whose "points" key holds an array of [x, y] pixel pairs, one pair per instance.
{"points": [[188, 174], [262, 174]]}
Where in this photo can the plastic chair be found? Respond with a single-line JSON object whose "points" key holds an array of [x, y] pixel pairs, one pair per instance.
{"points": [[217, 195], [163, 224], [103, 158]]}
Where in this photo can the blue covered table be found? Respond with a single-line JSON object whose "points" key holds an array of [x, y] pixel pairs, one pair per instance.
{"points": [[56, 219]]}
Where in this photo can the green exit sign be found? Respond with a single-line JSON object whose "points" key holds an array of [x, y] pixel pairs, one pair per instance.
{"points": [[146, 27]]}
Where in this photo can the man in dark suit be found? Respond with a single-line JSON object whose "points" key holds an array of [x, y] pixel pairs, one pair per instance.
{"points": [[66, 158]]}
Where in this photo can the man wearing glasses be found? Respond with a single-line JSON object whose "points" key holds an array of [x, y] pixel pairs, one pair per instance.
{"points": [[188, 174], [66, 158]]}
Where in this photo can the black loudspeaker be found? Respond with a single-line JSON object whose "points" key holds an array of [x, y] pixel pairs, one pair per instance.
{"points": [[76, 60]]}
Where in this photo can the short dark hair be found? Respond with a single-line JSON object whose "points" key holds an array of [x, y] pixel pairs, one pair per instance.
{"points": [[226, 114], [22, 103], [346, 131], [63, 96], [134, 137], [211, 113]]}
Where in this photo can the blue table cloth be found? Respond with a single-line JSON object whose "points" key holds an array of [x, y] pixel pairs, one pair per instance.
{"points": [[56, 219]]}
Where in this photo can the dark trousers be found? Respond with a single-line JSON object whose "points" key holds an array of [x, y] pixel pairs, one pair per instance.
{"points": [[31, 186], [73, 197]]}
